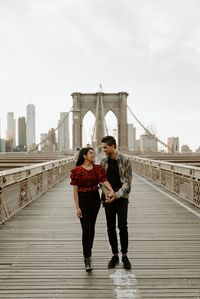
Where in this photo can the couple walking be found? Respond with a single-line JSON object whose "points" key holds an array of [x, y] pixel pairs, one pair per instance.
{"points": [[114, 174]]}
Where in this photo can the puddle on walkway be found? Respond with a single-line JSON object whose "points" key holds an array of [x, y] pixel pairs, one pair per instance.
{"points": [[125, 284]]}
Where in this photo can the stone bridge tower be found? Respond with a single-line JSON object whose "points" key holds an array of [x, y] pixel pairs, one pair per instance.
{"points": [[100, 104]]}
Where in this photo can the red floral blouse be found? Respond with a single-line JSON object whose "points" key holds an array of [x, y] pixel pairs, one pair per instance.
{"points": [[87, 180]]}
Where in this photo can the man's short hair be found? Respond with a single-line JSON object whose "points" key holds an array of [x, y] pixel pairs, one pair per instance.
{"points": [[109, 140]]}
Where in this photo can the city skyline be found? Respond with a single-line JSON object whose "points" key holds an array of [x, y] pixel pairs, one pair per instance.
{"points": [[147, 48], [90, 119]]}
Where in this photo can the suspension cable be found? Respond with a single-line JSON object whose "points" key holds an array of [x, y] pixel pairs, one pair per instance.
{"points": [[146, 129], [50, 133]]}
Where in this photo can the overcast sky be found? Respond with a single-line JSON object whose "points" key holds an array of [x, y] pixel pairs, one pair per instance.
{"points": [[149, 48]]}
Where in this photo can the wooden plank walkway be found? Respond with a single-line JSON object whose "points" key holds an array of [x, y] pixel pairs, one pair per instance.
{"points": [[41, 255]]}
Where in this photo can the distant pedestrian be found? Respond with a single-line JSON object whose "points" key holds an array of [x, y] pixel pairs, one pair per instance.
{"points": [[119, 173], [85, 178]]}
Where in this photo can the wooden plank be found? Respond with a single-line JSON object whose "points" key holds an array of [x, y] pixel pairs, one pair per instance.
{"points": [[41, 255]]}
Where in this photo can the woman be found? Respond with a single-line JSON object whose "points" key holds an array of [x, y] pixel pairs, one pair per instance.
{"points": [[85, 178]]}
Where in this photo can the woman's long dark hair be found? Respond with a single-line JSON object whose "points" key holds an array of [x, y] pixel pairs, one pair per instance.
{"points": [[83, 152]]}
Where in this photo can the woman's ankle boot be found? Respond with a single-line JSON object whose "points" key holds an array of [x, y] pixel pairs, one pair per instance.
{"points": [[88, 266]]}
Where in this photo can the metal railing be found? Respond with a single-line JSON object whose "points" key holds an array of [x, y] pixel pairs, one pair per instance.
{"points": [[182, 180], [20, 186]]}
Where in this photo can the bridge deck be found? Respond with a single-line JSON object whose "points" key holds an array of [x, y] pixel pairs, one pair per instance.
{"points": [[40, 250]]}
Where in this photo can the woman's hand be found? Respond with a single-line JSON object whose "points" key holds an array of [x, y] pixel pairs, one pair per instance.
{"points": [[110, 197], [109, 194], [79, 213]]}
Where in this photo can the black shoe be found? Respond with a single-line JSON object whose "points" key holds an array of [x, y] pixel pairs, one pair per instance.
{"points": [[88, 266], [113, 262], [126, 262]]}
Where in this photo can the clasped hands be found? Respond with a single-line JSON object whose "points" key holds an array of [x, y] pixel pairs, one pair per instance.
{"points": [[110, 196]]}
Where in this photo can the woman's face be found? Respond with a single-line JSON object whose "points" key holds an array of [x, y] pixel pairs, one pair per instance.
{"points": [[90, 156]]}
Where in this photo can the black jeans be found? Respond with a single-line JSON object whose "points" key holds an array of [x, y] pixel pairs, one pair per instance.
{"points": [[119, 208], [89, 203]]}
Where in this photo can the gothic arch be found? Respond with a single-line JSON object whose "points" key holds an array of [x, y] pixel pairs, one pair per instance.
{"points": [[87, 132], [112, 124], [100, 104]]}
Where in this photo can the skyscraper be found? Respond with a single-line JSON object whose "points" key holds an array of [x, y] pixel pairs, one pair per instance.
{"points": [[21, 132], [185, 149], [2, 141], [30, 126], [11, 130], [131, 137], [44, 142], [148, 144], [2, 145], [63, 132], [173, 144]]}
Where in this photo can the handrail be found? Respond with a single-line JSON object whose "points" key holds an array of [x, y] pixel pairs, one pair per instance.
{"points": [[182, 180], [14, 175], [19, 187]]}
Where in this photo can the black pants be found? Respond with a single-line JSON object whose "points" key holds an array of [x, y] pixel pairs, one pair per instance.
{"points": [[119, 208], [89, 203]]}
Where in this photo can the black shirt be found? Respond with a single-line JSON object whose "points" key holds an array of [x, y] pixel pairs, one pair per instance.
{"points": [[113, 174]]}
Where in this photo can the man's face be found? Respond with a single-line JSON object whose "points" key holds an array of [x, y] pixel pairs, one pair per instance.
{"points": [[107, 149]]}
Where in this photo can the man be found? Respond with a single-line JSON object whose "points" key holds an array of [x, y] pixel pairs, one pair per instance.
{"points": [[119, 173]]}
